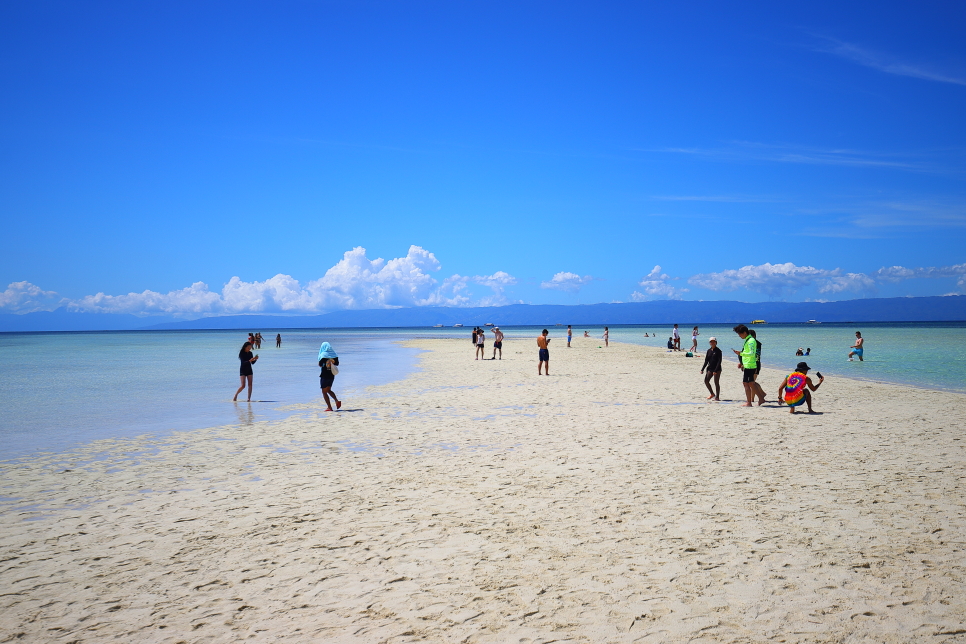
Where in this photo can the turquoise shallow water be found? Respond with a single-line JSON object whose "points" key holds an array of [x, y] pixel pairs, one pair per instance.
{"points": [[63, 389], [931, 355]]}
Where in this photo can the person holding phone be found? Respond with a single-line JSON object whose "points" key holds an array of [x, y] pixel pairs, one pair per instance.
{"points": [[247, 360], [748, 363], [794, 390], [543, 352]]}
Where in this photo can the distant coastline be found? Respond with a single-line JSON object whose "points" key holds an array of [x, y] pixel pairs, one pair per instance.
{"points": [[949, 308]]}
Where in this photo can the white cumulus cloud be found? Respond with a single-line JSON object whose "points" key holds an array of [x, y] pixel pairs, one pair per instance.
{"points": [[355, 282], [24, 297], [655, 284], [899, 273], [193, 299], [776, 279], [564, 281]]}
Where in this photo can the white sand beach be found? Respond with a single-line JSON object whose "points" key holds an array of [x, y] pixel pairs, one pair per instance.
{"points": [[477, 502]]}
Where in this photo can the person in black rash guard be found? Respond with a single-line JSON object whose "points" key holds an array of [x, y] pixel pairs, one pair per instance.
{"points": [[247, 360], [712, 367], [758, 390]]}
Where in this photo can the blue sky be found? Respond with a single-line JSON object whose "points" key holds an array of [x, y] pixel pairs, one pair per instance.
{"points": [[489, 152]]}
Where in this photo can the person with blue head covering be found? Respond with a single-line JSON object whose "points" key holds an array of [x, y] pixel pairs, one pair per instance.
{"points": [[329, 362]]}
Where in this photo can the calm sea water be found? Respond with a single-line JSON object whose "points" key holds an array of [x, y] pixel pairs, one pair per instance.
{"points": [[63, 389], [931, 355]]}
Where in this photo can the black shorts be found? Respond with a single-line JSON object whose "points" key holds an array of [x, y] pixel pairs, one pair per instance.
{"points": [[749, 375], [326, 379], [498, 345], [544, 355]]}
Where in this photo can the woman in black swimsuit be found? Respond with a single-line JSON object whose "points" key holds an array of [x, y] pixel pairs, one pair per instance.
{"points": [[247, 360], [327, 360]]}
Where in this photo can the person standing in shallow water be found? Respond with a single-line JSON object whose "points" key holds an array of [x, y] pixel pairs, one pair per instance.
{"points": [[278, 340], [857, 349], [245, 372], [329, 363]]}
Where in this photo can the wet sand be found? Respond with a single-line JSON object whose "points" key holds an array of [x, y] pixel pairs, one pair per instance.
{"points": [[477, 502]]}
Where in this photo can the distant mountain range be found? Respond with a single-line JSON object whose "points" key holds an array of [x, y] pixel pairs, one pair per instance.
{"points": [[898, 309]]}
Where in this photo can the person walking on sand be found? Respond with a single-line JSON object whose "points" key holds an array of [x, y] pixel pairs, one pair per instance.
{"points": [[712, 368], [278, 340], [748, 362], [570, 335], [606, 337], [677, 338], [245, 372], [543, 353], [497, 342], [694, 340], [794, 390], [329, 362], [857, 348], [480, 344]]}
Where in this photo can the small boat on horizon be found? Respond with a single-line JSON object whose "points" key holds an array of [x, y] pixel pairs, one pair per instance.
{"points": [[457, 325], [758, 322], [437, 326], [813, 322], [488, 324]]}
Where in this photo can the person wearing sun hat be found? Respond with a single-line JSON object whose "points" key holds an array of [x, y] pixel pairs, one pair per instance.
{"points": [[794, 390]]}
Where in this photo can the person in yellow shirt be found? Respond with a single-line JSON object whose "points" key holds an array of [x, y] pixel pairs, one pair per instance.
{"points": [[748, 357]]}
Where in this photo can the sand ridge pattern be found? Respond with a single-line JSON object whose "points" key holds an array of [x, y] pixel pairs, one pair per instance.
{"points": [[477, 502]]}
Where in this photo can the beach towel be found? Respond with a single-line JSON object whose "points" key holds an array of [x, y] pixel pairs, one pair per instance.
{"points": [[795, 389], [326, 352]]}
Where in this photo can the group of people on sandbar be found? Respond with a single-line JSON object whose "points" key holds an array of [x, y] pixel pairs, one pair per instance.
{"points": [[674, 341], [794, 391], [479, 343], [328, 363]]}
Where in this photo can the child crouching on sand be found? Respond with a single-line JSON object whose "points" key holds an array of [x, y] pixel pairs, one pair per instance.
{"points": [[794, 390]]}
